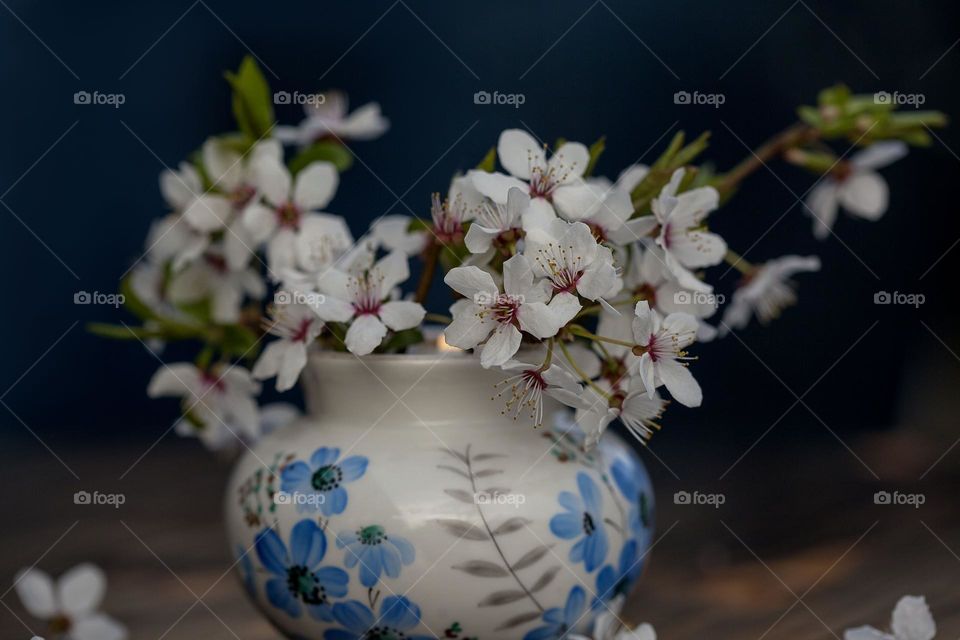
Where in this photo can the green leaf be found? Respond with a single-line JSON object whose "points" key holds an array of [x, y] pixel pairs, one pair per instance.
{"points": [[132, 301], [489, 162], [120, 332], [400, 340], [596, 149], [238, 341], [323, 151], [252, 100]]}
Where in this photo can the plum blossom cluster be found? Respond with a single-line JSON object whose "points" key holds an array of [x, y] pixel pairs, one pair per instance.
{"points": [[592, 291]]}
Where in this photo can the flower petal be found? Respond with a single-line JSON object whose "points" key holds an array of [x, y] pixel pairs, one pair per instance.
{"points": [[679, 382], [315, 185], [501, 346], [98, 627], [496, 186], [469, 281], [365, 334], [519, 153], [402, 315], [80, 590], [36, 592], [308, 544], [865, 195]]}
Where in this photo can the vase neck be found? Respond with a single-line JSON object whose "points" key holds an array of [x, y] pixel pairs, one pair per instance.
{"points": [[442, 388]]}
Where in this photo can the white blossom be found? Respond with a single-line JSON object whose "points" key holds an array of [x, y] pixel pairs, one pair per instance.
{"points": [[685, 244], [911, 620], [498, 224], [553, 185], [528, 383], [297, 326], [362, 298], [328, 115], [211, 278], [70, 603], [569, 256], [497, 319], [663, 359], [218, 404], [854, 185], [766, 291]]}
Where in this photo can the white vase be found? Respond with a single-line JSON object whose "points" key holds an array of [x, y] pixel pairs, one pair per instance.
{"points": [[405, 505]]}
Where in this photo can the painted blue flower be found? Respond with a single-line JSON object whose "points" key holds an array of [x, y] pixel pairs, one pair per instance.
{"points": [[246, 570], [297, 579], [584, 520], [616, 581], [322, 478], [398, 616], [376, 552], [634, 484], [561, 621]]}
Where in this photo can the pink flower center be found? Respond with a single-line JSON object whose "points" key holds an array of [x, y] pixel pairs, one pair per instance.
{"points": [[288, 215], [301, 332], [368, 298], [212, 382], [242, 196]]}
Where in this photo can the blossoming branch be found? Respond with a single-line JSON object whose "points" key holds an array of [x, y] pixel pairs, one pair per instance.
{"points": [[586, 289]]}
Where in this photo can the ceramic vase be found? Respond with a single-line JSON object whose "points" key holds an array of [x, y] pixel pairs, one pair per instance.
{"points": [[406, 504]]}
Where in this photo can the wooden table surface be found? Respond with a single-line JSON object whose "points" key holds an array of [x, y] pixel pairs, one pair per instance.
{"points": [[798, 551]]}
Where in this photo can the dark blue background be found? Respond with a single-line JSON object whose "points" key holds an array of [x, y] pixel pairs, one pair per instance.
{"points": [[83, 179]]}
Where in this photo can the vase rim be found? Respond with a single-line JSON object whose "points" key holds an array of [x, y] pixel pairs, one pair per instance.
{"points": [[322, 354]]}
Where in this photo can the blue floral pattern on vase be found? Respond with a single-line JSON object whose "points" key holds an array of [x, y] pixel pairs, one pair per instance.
{"points": [[629, 478], [560, 621], [297, 580], [613, 581], [398, 616], [246, 571], [323, 477], [583, 520], [376, 552]]}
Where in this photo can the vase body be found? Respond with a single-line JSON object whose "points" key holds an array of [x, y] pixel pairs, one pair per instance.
{"points": [[405, 505]]}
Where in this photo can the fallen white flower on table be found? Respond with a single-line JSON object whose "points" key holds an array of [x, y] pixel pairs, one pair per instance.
{"points": [[328, 115], [855, 185], [70, 604], [218, 404], [766, 291], [663, 360], [911, 620], [364, 300], [684, 242], [609, 626]]}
